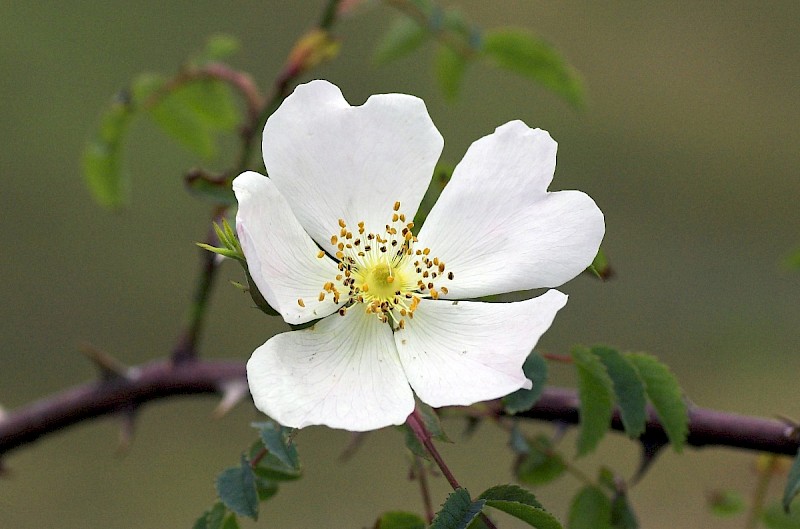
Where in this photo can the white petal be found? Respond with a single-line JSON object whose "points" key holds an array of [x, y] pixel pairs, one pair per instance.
{"points": [[281, 257], [498, 229], [456, 353], [332, 161], [343, 372]]}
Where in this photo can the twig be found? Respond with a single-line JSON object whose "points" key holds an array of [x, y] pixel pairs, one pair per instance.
{"points": [[164, 379], [417, 426]]}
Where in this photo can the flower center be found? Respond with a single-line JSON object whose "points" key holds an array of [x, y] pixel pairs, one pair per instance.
{"points": [[382, 271]]}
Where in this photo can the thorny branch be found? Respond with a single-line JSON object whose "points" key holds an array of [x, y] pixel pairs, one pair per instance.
{"points": [[164, 379]]}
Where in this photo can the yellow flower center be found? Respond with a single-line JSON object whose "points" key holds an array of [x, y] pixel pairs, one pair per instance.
{"points": [[382, 271]]}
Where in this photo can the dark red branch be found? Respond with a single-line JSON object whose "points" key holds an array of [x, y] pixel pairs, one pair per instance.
{"points": [[149, 382], [164, 379], [707, 427]]}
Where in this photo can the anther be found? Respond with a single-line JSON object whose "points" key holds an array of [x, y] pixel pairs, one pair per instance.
{"points": [[450, 275], [397, 206], [320, 255], [300, 302], [342, 223], [322, 296]]}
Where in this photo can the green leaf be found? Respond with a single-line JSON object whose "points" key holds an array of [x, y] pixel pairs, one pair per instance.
{"points": [[628, 388], [510, 493], [213, 518], [236, 488], [622, 515], [726, 503], [218, 47], [102, 157], [213, 103], [535, 369], [403, 37], [664, 392], [449, 67], [458, 511], [520, 504], [596, 395], [219, 192], [590, 509], [523, 53], [533, 516], [774, 517], [542, 464], [792, 487], [177, 114], [276, 441], [399, 520]]}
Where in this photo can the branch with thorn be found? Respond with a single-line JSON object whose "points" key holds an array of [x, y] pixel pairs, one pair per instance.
{"points": [[139, 385]]}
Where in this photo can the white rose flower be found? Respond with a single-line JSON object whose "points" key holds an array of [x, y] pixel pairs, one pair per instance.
{"points": [[328, 236]]}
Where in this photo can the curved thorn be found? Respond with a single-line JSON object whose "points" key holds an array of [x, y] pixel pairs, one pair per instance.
{"points": [[233, 391]]}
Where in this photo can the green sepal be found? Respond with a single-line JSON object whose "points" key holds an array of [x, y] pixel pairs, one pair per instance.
{"points": [[535, 369], [600, 267], [432, 423], [596, 394], [458, 511], [521, 52], [236, 487], [230, 243], [399, 520]]}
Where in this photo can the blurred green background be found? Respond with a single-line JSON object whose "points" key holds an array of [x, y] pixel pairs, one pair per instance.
{"points": [[689, 144]]}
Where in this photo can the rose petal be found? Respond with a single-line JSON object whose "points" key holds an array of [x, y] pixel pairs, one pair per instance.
{"points": [[281, 257], [332, 161], [461, 352], [498, 229], [343, 372]]}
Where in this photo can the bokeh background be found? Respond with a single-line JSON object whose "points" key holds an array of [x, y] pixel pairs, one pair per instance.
{"points": [[689, 144]]}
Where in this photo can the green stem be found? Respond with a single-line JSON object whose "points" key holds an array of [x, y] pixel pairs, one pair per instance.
{"points": [[187, 346]]}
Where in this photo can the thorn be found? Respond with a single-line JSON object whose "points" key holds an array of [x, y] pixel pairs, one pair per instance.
{"points": [[108, 366], [355, 442], [127, 428], [233, 391], [651, 447]]}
